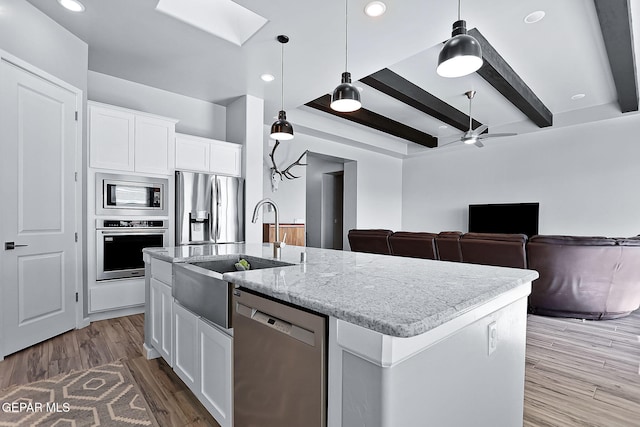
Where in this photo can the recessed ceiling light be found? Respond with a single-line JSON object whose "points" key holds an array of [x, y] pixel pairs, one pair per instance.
{"points": [[360, 88], [267, 77], [375, 8], [577, 96], [72, 5], [534, 17], [443, 127]]}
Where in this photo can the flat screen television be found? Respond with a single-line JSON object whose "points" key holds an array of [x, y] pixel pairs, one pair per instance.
{"points": [[504, 218]]}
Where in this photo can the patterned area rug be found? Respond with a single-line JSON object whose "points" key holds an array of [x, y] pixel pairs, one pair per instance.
{"points": [[103, 396]]}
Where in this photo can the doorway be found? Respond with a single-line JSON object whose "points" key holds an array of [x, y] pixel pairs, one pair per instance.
{"points": [[332, 209], [330, 200]]}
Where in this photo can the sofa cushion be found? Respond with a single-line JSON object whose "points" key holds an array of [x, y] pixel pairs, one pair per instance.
{"points": [[502, 250], [375, 241], [448, 246], [413, 244]]}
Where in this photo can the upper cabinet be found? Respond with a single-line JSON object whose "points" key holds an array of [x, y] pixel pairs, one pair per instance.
{"points": [[111, 134], [128, 140], [208, 155]]}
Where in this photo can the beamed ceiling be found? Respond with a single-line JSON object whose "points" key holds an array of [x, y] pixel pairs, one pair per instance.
{"points": [[615, 23], [530, 71]]}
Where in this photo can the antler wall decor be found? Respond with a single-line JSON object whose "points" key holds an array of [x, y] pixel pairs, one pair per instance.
{"points": [[277, 175]]}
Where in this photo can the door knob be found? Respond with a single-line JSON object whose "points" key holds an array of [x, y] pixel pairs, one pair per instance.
{"points": [[12, 245]]}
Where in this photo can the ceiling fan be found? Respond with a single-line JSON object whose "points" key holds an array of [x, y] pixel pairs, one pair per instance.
{"points": [[473, 136]]}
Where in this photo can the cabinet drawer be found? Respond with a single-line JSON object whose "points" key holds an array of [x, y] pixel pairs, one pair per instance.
{"points": [[116, 295], [162, 271]]}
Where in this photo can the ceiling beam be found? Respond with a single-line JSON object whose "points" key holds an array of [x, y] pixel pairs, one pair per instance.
{"points": [[396, 86], [376, 121], [615, 24], [501, 76]]}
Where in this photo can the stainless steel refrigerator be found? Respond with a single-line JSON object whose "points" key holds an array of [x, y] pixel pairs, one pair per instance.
{"points": [[209, 208]]}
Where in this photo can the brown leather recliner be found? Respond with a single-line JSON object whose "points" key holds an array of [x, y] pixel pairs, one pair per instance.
{"points": [[502, 250], [584, 277], [448, 244], [414, 244], [374, 241]]}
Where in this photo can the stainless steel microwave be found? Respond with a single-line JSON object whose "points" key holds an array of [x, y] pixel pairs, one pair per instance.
{"points": [[131, 195]]}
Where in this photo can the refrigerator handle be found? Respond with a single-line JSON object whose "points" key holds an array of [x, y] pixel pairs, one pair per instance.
{"points": [[212, 216], [217, 207]]}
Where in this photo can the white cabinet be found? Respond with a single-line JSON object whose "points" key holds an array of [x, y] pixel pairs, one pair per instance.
{"points": [[185, 358], [161, 319], [111, 134], [117, 295], [216, 372], [128, 140], [154, 145], [208, 155], [225, 158], [192, 153], [200, 353]]}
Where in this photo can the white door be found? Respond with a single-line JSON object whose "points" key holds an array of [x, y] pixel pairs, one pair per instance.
{"points": [[38, 208]]}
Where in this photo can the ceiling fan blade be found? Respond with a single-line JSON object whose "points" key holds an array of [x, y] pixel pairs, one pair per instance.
{"points": [[481, 129], [478, 144], [495, 135]]}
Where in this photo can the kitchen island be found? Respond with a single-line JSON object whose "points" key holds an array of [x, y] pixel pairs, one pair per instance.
{"points": [[411, 342]]}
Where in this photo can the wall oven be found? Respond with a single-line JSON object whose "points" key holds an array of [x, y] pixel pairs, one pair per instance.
{"points": [[120, 244], [131, 195]]}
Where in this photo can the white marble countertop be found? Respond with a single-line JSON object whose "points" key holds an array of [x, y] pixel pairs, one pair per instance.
{"points": [[393, 295]]}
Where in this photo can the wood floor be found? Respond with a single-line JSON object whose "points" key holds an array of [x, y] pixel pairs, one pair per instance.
{"points": [[577, 373], [102, 342], [583, 373]]}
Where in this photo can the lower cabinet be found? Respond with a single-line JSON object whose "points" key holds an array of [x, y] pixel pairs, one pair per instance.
{"points": [[216, 373], [185, 358], [162, 319], [203, 359]]}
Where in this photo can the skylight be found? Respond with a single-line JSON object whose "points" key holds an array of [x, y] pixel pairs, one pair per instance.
{"points": [[222, 18]]}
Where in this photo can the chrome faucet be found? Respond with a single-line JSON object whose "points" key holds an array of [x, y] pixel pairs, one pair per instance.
{"points": [[277, 244]]}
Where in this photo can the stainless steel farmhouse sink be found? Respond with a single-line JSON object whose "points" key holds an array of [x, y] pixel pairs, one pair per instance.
{"points": [[199, 287], [226, 264]]}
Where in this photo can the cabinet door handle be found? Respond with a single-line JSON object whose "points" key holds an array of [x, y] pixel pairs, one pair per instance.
{"points": [[8, 246]]}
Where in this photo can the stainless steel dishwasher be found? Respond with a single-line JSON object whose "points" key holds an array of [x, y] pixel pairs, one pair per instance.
{"points": [[279, 364]]}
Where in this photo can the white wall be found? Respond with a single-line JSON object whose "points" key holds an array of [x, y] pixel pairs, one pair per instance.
{"points": [[379, 182], [197, 117], [35, 38], [586, 179], [244, 126]]}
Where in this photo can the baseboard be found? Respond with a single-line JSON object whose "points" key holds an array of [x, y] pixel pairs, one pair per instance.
{"points": [[150, 352], [112, 314], [86, 321]]}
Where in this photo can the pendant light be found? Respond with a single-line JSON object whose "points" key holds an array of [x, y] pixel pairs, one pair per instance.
{"points": [[281, 129], [461, 54], [346, 97]]}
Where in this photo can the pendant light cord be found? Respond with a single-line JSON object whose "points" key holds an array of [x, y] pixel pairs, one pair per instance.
{"points": [[459, 9], [282, 75], [346, 35]]}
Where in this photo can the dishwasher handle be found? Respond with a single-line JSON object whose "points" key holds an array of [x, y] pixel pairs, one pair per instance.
{"points": [[279, 325]]}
